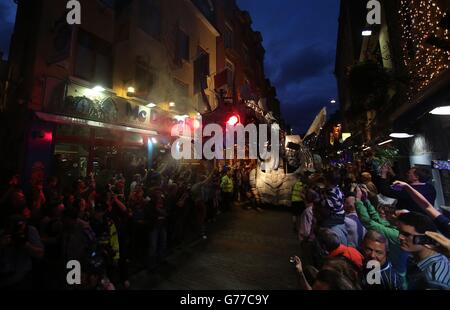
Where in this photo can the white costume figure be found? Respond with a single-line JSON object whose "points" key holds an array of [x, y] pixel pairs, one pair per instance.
{"points": [[274, 186]]}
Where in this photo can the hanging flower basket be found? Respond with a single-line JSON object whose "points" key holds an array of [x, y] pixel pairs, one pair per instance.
{"points": [[369, 86]]}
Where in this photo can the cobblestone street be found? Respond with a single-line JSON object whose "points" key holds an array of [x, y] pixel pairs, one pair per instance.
{"points": [[245, 250]]}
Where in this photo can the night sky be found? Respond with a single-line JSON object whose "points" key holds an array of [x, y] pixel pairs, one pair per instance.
{"points": [[7, 17], [300, 41]]}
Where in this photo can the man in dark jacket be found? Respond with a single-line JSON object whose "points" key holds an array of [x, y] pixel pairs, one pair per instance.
{"points": [[418, 178]]}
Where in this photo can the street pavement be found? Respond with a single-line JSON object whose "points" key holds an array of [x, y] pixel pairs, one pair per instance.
{"points": [[245, 250]]}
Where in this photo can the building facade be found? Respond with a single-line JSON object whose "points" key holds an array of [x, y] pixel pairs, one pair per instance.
{"points": [[106, 93], [97, 94]]}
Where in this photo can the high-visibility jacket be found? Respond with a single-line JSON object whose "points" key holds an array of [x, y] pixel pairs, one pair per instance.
{"points": [[114, 241], [296, 191], [226, 185]]}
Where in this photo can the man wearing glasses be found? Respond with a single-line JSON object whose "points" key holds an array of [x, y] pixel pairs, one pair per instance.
{"points": [[433, 268]]}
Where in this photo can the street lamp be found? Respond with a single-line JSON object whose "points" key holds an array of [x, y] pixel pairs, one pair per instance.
{"points": [[130, 91], [366, 33]]}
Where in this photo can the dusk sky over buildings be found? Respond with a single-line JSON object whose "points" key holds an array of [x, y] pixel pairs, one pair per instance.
{"points": [[300, 40]]}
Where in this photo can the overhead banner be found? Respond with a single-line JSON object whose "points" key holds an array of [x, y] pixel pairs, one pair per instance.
{"points": [[318, 123]]}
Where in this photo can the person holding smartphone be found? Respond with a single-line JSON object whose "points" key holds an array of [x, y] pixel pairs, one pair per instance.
{"points": [[440, 243], [433, 268]]}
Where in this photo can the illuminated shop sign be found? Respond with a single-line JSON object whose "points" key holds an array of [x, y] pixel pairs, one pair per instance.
{"points": [[98, 105]]}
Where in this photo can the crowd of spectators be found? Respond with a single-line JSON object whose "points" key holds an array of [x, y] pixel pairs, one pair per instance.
{"points": [[362, 228], [108, 223]]}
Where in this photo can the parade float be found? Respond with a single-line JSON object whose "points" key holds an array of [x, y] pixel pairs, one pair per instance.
{"points": [[273, 186]]}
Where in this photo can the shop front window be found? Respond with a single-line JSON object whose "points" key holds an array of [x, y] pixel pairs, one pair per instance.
{"points": [[106, 158], [71, 163], [133, 138], [106, 153], [135, 161], [107, 134]]}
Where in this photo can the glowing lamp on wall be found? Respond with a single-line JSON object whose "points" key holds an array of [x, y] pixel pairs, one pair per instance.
{"points": [[130, 91], [98, 89], [42, 136]]}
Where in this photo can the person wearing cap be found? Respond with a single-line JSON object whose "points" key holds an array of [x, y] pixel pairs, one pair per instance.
{"points": [[355, 228]]}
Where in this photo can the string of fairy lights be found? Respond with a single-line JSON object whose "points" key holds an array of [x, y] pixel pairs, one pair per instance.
{"points": [[419, 19]]}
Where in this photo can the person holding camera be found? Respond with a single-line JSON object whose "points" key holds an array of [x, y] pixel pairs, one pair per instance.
{"points": [[418, 178], [355, 228], [440, 220], [432, 270], [372, 220], [19, 245]]}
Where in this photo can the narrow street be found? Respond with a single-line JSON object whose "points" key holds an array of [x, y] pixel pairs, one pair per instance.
{"points": [[246, 250], [127, 124]]}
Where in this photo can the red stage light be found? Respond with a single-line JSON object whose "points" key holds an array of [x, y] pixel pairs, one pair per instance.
{"points": [[48, 136], [233, 120]]}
